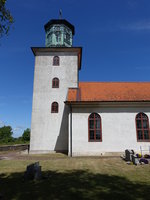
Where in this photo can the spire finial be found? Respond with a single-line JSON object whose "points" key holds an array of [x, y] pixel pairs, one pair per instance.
{"points": [[60, 14]]}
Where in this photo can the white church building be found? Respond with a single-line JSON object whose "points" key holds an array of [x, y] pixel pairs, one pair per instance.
{"points": [[83, 118]]}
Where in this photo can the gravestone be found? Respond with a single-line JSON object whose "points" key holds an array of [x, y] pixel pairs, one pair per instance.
{"points": [[33, 171], [128, 154], [135, 159]]}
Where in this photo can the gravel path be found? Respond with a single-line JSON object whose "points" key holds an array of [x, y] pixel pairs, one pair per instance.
{"points": [[15, 155]]}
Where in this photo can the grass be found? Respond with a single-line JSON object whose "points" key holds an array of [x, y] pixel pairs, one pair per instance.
{"points": [[75, 178]]}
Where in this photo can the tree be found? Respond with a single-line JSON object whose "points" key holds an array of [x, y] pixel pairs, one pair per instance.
{"points": [[6, 134], [26, 135], [6, 18]]}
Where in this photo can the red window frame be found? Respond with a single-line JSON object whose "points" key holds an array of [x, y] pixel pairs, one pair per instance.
{"points": [[140, 131], [56, 60], [55, 83], [54, 107], [95, 119]]}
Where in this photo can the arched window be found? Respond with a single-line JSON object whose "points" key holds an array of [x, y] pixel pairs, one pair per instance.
{"points": [[54, 108], [56, 61], [55, 83], [95, 130], [142, 127]]}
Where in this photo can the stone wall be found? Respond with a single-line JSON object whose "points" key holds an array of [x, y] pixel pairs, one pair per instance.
{"points": [[19, 147]]}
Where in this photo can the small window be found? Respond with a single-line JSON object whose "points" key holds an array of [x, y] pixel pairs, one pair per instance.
{"points": [[55, 83], [54, 108], [142, 127], [95, 130], [56, 61]]}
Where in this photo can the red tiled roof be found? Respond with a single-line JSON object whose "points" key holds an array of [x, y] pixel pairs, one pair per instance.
{"points": [[110, 91]]}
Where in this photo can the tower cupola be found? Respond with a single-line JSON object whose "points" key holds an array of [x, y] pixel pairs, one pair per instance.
{"points": [[59, 33]]}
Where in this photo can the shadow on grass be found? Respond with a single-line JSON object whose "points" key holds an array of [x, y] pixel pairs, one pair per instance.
{"points": [[72, 185]]}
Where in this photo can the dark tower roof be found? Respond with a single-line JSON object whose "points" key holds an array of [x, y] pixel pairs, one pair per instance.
{"points": [[60, 21]]}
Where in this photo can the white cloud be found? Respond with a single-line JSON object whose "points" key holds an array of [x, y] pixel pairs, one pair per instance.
{"points": [[18, 128], [18, 131], [1, 123], [143, 25]]}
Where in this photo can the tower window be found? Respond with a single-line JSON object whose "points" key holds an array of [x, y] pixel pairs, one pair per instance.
{"points": [[55, 83], [142, 127], [54, 107], [67, 38], [58, 36], [56, 61], [95, 130]]}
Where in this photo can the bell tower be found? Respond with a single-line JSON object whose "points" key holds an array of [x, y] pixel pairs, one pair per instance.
{"points": [[59, 33], [56, 70]]}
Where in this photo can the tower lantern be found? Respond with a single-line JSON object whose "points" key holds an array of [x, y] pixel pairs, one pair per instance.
{"points": [[59, 33]]}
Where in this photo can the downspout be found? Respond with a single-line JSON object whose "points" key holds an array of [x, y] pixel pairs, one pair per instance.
{"points": [[70, 131]]}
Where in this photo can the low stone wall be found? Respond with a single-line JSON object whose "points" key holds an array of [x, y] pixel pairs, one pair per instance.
{"points": [[19, 147]]}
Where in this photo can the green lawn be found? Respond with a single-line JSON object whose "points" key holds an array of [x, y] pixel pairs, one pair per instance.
{"points": [[75, 178]]}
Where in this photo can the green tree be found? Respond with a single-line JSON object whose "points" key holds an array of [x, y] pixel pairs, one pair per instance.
{"points": [[6, 18], [6, 134], [26, 135]]}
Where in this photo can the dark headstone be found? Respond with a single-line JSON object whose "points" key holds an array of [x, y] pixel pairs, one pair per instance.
{"points": [[33, 172], [128, 154]]}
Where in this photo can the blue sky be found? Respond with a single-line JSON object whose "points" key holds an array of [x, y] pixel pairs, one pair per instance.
{"points": [[114, 34]]}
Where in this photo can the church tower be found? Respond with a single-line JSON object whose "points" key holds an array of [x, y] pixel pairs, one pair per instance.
{"points": [[56, 69]]}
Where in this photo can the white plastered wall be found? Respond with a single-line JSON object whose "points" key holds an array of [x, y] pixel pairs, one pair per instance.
{"points": [[49, 131], [118, 130]]}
